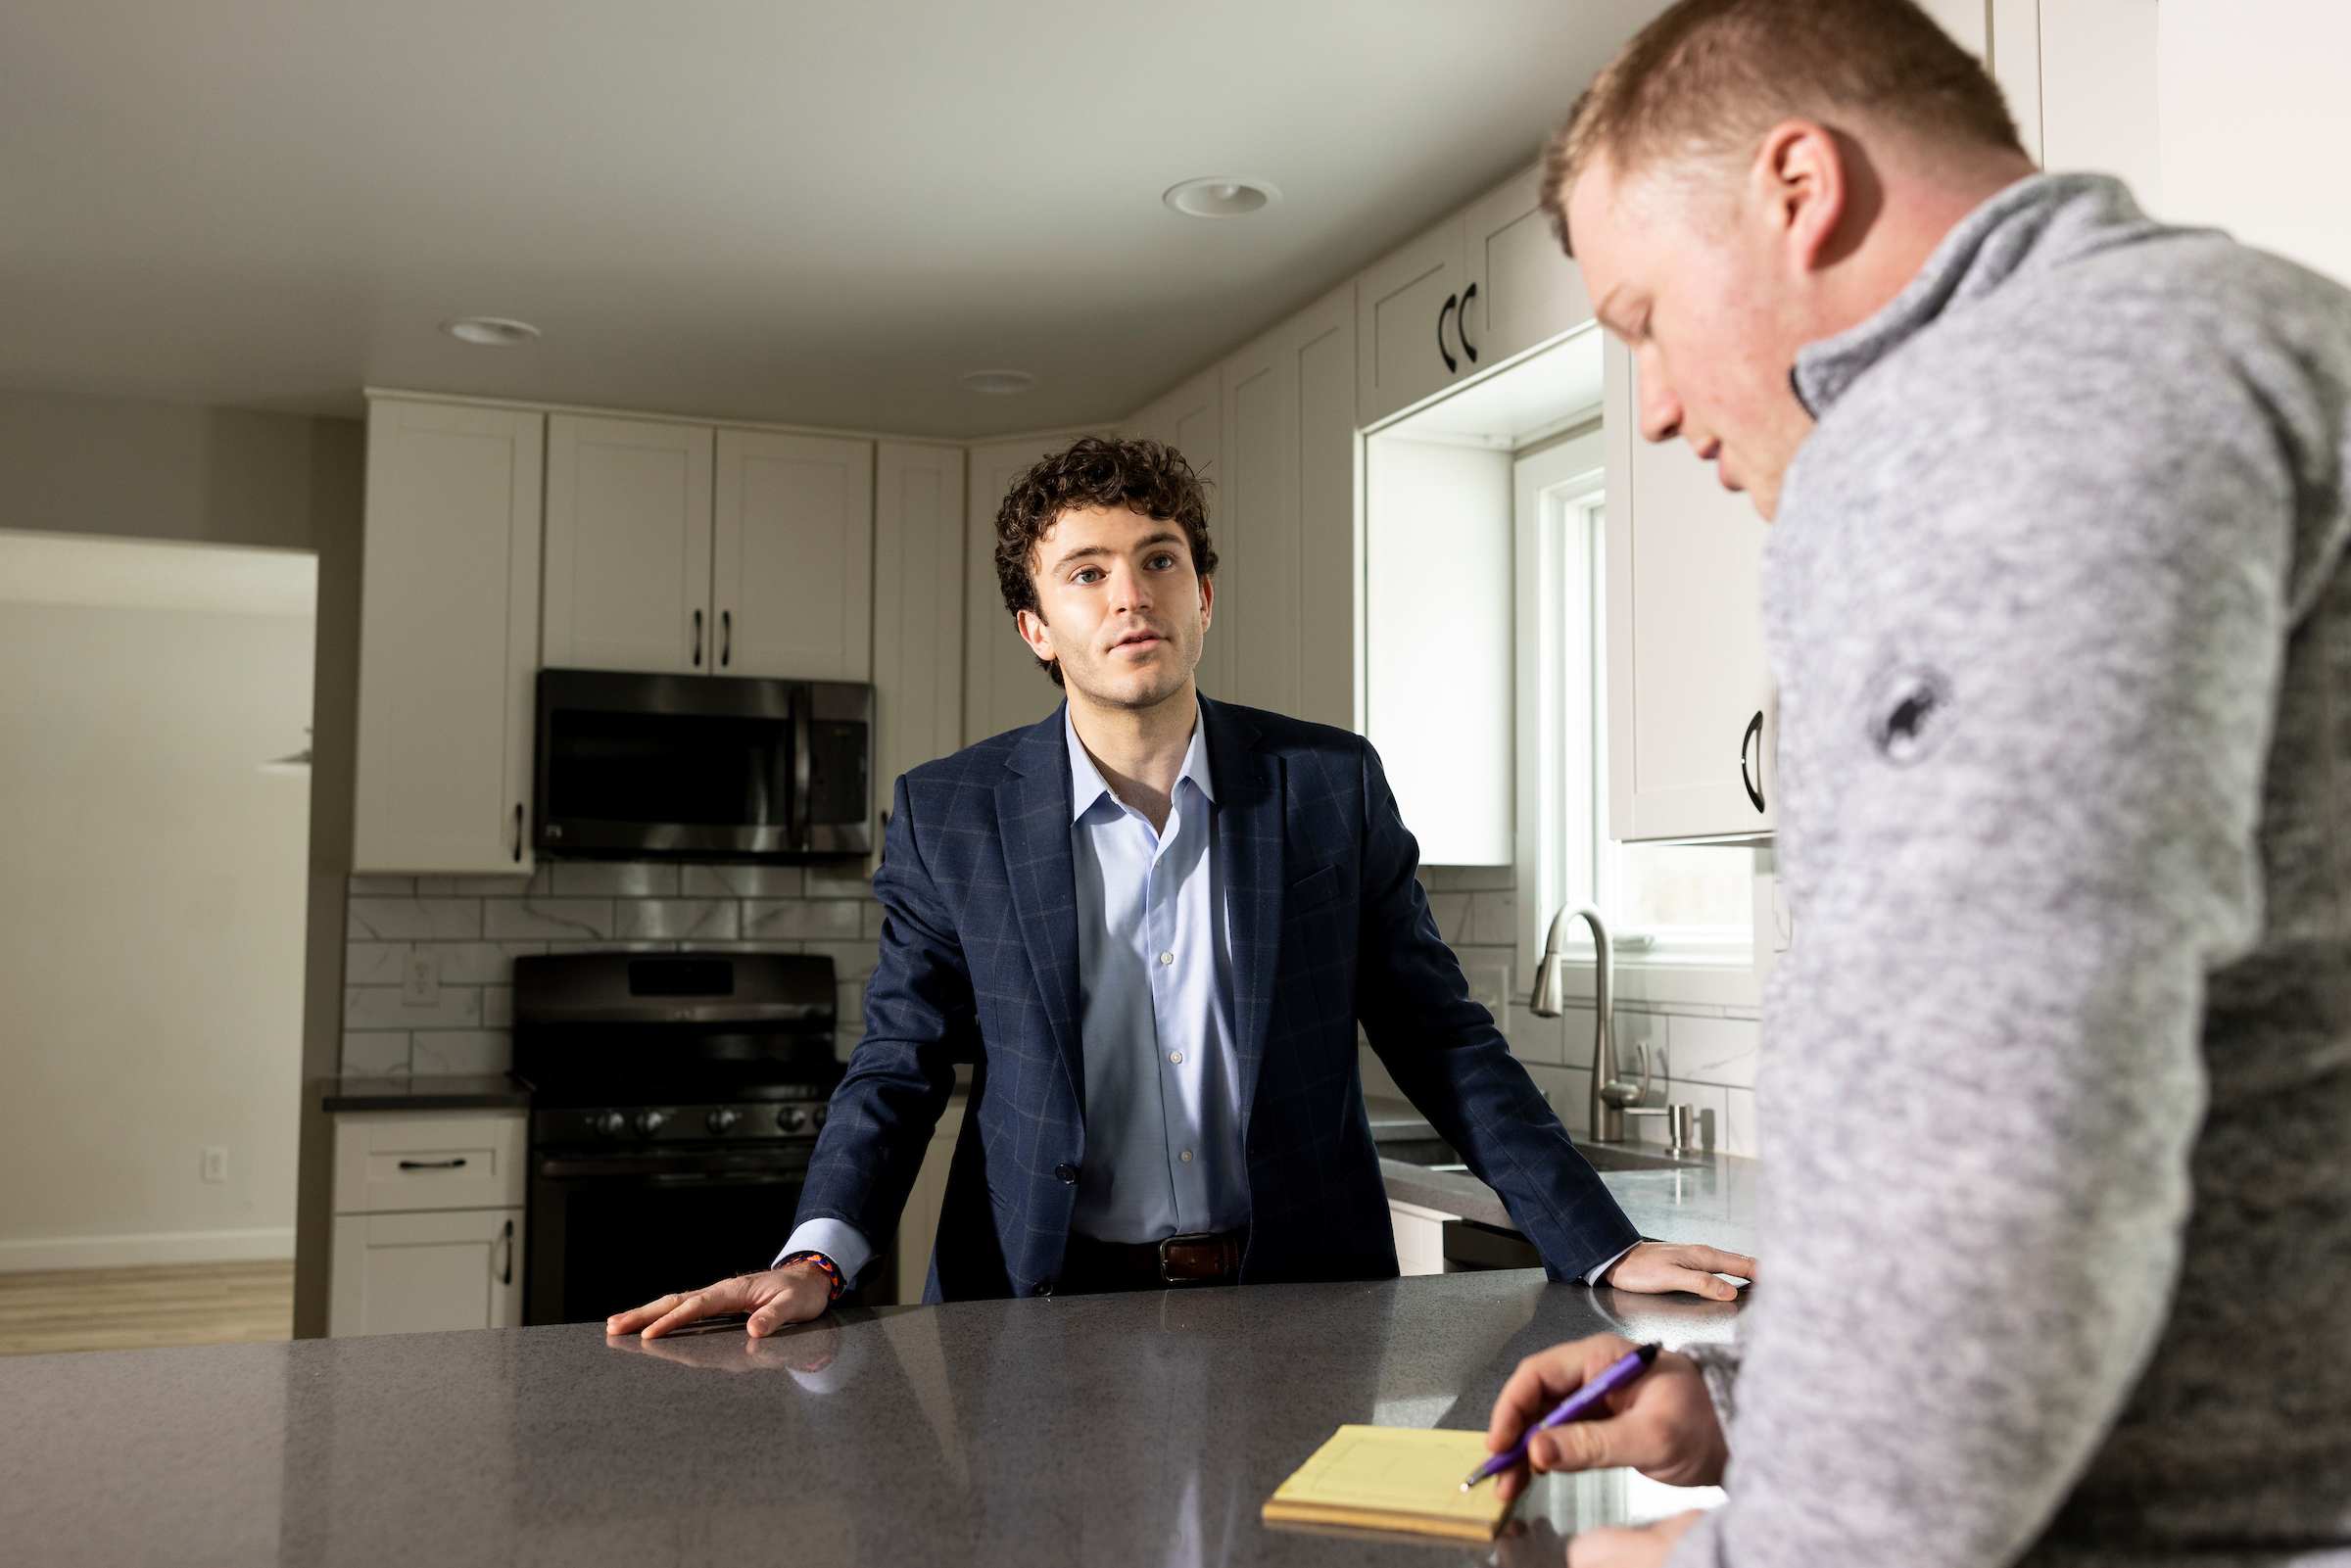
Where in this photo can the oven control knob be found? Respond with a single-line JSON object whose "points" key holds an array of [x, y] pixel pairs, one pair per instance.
{"points": [[791, 1119], [820, 1115], [721, 1122], [649, 1122], [609, 1124]]}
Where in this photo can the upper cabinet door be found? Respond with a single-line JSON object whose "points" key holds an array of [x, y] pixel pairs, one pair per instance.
{"points": [[917, 606], [627, 545], [794, 552], [1691, 722], [1191, 419], [448, 638], [1520, 290], [1002, 686], [1408, 325]]}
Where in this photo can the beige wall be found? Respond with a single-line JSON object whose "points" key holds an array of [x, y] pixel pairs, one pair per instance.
{"points": [[152, 912], [160, 470]]}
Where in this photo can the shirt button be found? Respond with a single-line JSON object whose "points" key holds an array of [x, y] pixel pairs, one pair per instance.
{"points": [[1187, 1156], [1167, 957], [1175, 1057]]}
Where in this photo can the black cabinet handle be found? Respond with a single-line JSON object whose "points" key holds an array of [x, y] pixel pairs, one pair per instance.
{"points": [[1453, 302], [1754, 733], [698, 639], [726, 638], [1461, 327], [517, 832], [507, 1275], [458, 1164]]}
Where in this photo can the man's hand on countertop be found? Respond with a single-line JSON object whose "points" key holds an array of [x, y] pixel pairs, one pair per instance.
{"points": [[1663, 1425], [773, 1297], [1656, 1267]]}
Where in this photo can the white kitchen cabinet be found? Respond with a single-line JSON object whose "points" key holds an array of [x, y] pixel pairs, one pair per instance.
{"points": [[449, 638], [627, 545], [917, 606], [792, 559], [1002, 686], [1692, 721], [1191, 419], [1285, 517], [1520, 290], [1407, 324], [429, 1223], [1419, 1238]]}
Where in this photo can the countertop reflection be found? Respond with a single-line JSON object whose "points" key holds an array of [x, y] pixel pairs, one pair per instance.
{"points": [[1083, 1430]]}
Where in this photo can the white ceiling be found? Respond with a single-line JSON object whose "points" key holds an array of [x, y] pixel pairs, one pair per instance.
{"points": [[757, 208]]}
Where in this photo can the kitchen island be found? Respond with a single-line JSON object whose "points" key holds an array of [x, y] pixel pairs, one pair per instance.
{"points": [[1079, 1431]]}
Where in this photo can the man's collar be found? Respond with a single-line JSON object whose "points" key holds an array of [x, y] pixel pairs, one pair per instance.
{"points": [[1088, 786]]}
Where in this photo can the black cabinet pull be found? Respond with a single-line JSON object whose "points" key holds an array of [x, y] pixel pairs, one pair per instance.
{"points": [[726, 638], [1754, 733], [698, 639], [517, 832], [1453, 302], [507, 1275], [1461, 327], [433, 1164]]}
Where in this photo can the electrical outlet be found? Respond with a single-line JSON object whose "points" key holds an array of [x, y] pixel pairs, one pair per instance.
{"points": [[215, 1164], [420, 978], [1490, 988]]}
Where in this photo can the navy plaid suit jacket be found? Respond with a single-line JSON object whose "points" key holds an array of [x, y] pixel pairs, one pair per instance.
{"points": [[1328, 926]]}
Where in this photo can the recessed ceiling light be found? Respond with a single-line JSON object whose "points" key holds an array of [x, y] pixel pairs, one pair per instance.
{"points": [[996, 383], [492, 331], [1221, 195]]}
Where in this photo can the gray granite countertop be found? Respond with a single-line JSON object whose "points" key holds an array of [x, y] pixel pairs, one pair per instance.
{"points": [[1078, 1430], [453, 1091]]}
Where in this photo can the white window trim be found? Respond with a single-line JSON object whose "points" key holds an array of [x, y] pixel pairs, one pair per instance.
{"points": [[1557, 522]]}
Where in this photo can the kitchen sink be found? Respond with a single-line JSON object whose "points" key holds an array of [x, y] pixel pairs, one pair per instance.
{"points": [[1623, 1157]]}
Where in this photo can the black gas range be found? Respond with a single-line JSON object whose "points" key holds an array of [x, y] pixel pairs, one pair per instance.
{"points": [[676, 1098]]}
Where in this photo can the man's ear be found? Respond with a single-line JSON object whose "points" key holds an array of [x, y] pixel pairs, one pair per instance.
{"points": [[1208, 596], [1036, 632], [1804, 176]]}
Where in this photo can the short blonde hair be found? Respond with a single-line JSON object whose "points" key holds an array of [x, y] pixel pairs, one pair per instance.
{"points": [[1707, 79]]}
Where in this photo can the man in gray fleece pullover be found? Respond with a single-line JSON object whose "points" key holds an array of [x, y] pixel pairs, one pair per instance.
{"points": [[2056, 1093]]}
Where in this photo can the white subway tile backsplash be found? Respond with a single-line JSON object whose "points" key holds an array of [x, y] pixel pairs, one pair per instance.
{"points": [[685, 919], [372, 963], [874, 915], [1494, 918], [498, 1007], [851, 961], [462, 1050], [375, 1054], [740, 881], [1738, 1137], [803, 920], [1534, 1039], [570, 919], [1467, 878], [840, 881], [617, 878], [383, 886], [401, 919], [482, 963], [1450, 912], [382, 1007], [516, 886], [1716, 1050]]}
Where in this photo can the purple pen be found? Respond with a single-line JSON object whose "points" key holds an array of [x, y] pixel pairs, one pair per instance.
{"points": [[1574, 1407]]}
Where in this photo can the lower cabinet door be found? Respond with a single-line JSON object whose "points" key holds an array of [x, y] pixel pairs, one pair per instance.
{"points": [[418, 1274]]}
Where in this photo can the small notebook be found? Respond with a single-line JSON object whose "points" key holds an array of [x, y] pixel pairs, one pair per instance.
{"points": [[1393, 1478]]}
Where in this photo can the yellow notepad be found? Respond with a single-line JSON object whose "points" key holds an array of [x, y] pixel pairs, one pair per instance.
{"points": [[1393, 1478]]}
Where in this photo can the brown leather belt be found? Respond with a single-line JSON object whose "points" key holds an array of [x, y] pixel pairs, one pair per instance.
{"points": [[1199, 1260]]}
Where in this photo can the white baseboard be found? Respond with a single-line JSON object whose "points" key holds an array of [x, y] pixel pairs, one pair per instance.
{"points": [[136, 1250]]}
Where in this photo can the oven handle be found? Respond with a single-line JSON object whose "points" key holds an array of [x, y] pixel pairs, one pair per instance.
{"points": [[801, 831]]}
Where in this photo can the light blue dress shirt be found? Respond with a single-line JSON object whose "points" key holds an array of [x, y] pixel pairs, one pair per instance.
{"points": [[1163, 1098]]}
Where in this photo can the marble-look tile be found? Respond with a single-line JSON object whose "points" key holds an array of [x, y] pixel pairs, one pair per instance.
{"points": [[740, 881], [615, 879], [874, 915], [519, 886], [482, 963], [851, 961], [685, 919], [1740, 1137], [848, 1002], [498, 1007], [1715, 1051], [1494, 917], [1450, 912], [1567, 1091], [849, 879], [553, 919], [372, 963], [1467, 878], [401, 919], [1534, 1039], [462, 1050], [845, 1041], [375, 1054], [380, 1007], [1634, 1031], [803, 918], [747, 947], [608, 945], [383, 886]]}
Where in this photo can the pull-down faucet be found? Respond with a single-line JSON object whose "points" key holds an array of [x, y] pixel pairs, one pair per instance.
{"points": [[1613, 1098]]}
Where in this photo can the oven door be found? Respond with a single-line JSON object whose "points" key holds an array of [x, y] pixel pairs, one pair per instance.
{"points": [[612, 1229]]}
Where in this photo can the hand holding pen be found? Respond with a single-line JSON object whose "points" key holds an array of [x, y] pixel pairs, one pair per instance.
{"points": [[1659, 1421]]}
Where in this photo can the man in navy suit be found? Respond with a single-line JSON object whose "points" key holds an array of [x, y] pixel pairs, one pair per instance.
{"points": [[1151, 924]]}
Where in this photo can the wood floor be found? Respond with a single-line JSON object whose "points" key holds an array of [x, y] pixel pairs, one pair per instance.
{"points": [[138, 1308]]}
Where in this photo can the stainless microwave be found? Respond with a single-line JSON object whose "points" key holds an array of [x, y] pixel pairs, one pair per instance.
{"points": [[703, 767]]}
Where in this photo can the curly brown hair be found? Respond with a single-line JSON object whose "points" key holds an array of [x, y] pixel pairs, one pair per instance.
{"points": [[1144, 477]]}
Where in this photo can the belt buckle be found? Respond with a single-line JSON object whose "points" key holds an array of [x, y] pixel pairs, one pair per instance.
{"points": [[1193, 1240]]}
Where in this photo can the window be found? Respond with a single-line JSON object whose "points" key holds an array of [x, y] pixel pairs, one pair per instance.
{"points": [[1669, 903]]}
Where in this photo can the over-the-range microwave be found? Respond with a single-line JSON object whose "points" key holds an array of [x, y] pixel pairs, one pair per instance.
{"points": [[704, 767]]}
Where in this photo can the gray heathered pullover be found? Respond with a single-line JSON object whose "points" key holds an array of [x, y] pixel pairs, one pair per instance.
{"points": [[2056, 1090]]}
